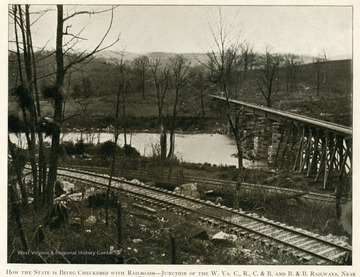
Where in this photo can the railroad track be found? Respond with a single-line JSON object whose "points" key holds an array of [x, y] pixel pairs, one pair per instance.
{"points": [[219, 185], [302, 244]]}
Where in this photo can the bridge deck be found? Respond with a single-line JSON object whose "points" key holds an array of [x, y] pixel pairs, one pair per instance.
{"points": [[278, 115]]}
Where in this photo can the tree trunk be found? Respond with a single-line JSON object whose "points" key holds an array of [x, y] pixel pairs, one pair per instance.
{"points": [[112, 170], [18, 175], [318, 80], [58, 100], [16, 212], [172, 144], [163, 142], [202, 103], [124, 116], [235, 131], [240, 154], [37, 114], [143, 87]]}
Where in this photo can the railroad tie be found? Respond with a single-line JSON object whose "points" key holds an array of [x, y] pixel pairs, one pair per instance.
{"points": [[325, 250], [300, 239], [283, 235], [250, 224], [263, 228], [337, 256], [291, 237]]}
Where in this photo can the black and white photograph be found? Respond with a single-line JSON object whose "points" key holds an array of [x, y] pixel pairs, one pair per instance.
{"points": [[179, 134]]}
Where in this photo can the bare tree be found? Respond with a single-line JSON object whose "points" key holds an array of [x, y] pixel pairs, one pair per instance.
{"points": [[292, 65], [179, 66], [141, 68], [116, 123], [124, 87], [56, 91], [28, 96], [200, 84], [161, 78], [248, 58], [224, 62], [319, 68], [269, 65]]}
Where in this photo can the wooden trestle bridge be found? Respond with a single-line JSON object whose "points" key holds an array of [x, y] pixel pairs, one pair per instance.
{"points": [[320, 149]]}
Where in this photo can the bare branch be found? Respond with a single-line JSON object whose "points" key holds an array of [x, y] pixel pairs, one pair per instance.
{"points": [[89, 13], [42, 13], [97, 49], [74, 36]]}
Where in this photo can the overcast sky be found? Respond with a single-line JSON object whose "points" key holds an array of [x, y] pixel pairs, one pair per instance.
{"points": [[307, 30]]}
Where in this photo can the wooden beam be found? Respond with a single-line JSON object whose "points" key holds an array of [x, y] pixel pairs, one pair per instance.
{"points": [[313, 164], [306, 160], [346, 155], [279, 145], [329, 145], [299, 153], [322, 159], [287, 140]]}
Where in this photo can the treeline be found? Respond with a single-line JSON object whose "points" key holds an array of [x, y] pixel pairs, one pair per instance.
{"points": [[98, 77]]}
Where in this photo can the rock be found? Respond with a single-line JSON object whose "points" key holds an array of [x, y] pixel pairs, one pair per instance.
{"points": [[192, 231], [136, 182], [88, 223], [137, 241], [221, 236], [67, 186], [189, 189], [76, 197], [150, 184]]}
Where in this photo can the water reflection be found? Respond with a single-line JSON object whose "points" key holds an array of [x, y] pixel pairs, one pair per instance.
{"points": [[216, 149]]}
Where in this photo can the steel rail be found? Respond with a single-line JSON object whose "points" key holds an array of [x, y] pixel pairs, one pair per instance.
{"points": [[143, 175], [246, 186], [173, 197]]}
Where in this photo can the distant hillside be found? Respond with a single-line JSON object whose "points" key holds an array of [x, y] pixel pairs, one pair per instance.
{"points": [[111, 55], [195, 58]]}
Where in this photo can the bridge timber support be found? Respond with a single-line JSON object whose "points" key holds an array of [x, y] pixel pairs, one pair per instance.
{"points": [[319, 149]]}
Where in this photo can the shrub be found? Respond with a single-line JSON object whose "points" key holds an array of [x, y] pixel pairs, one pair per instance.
{"points": [[80, 147], [107, 148], [130, 151], [69, 148]]}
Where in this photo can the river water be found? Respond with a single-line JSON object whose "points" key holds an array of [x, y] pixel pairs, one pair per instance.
{"points": [[215, 149]]}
